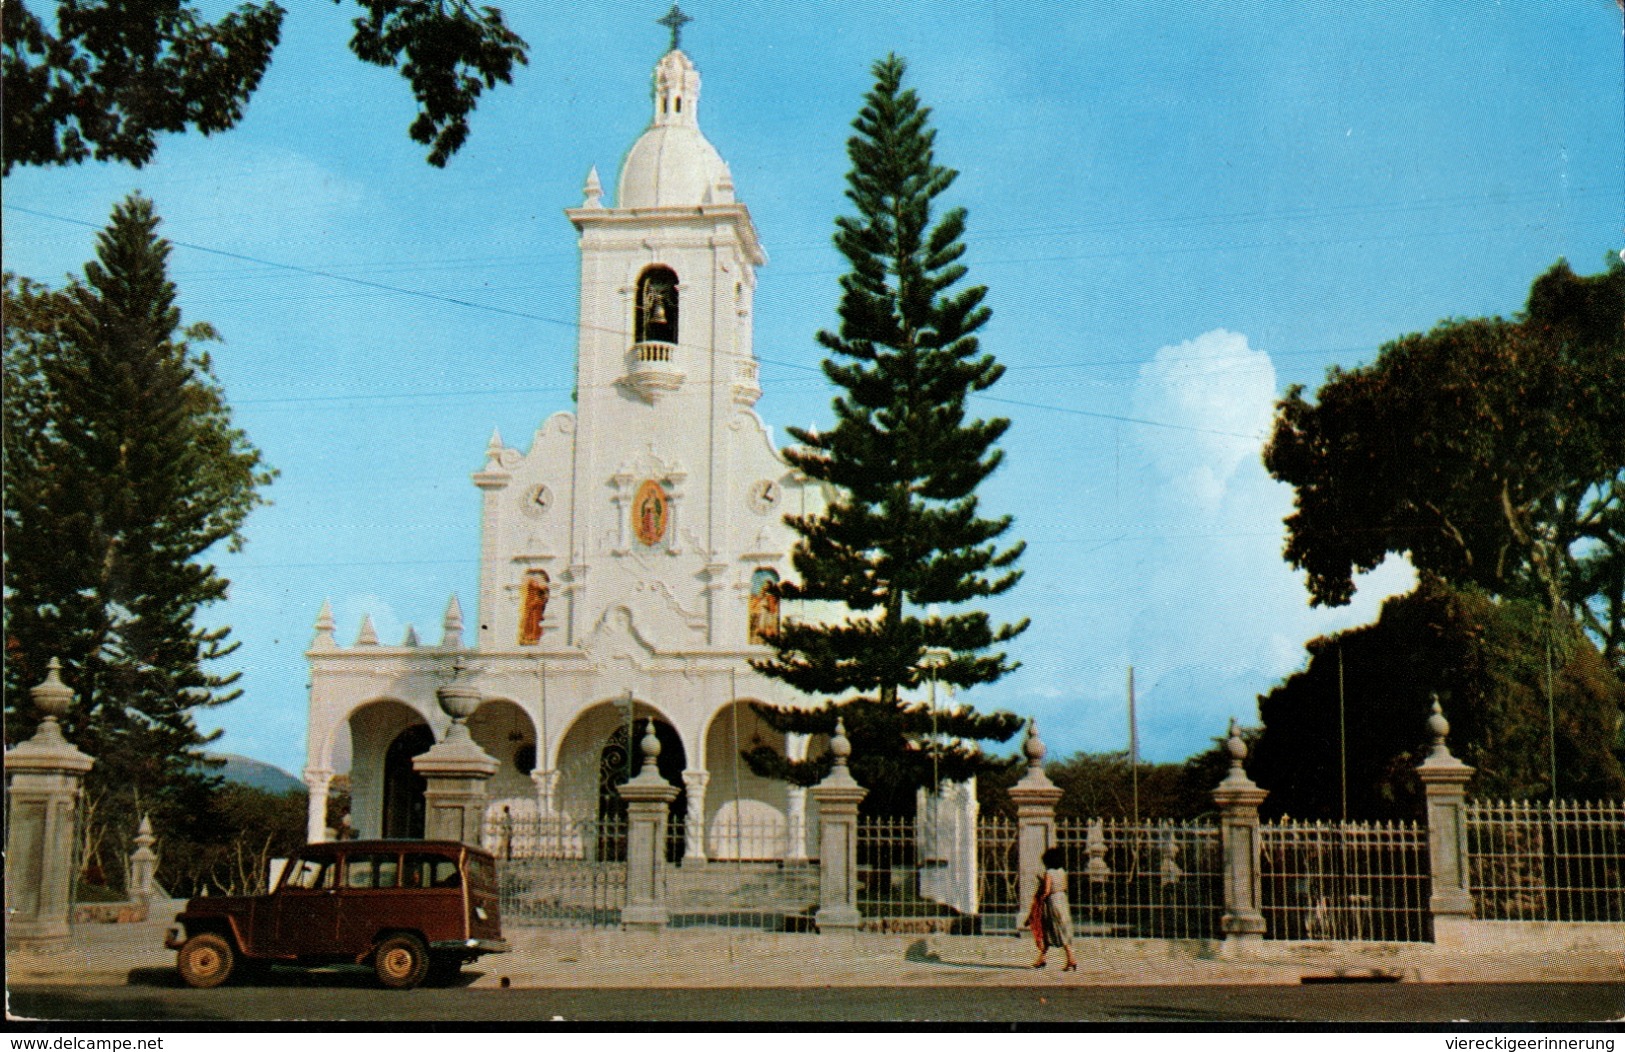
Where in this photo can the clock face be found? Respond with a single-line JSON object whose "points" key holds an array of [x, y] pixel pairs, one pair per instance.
{"points": [[764, 496], [537, 500]]}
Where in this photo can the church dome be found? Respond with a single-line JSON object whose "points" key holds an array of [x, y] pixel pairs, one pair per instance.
{"points": [[672, 164]]}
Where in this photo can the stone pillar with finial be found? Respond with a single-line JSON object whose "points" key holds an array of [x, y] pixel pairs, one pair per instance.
{"points": [[456, 769], [143, 863], [44, 775], [837, 798], [1238, 798], [1444, 778], [648, 808], [1035, 797]]}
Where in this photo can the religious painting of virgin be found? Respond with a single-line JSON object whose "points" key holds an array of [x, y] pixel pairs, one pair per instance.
{"points": [[533, 607], [763, 606], [649, 513]]}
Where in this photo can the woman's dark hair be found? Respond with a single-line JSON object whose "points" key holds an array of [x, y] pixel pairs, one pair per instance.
{"points": [[1053, 858]]}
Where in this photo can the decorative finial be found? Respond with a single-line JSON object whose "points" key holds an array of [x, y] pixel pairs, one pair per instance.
{"points": [[593, 192], [1439, 727], [675, 20], [839, 746], [650, 746], [458, 699], [451, 631], [411, 638], [1236, 747], [52, 696], [1034, 746], [368, 636], [143, 835]]}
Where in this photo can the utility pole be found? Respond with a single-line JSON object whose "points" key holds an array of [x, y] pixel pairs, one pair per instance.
{"points": [[1133, 749]]}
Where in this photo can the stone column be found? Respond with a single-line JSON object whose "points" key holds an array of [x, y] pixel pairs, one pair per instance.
{"points": [[45, 773], [1035, 797], [317, 784], [143, 863], [694, 824], [795, 803], [1238, 799], [795, 824], [648, 805], [837, 798], [1445, 780], [457, 771]]}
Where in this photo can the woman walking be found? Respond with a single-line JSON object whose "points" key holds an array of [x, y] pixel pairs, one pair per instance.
{"points": [[1051, 916]]}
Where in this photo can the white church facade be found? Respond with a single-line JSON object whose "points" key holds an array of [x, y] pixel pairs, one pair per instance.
{"points": [[624, 557]]}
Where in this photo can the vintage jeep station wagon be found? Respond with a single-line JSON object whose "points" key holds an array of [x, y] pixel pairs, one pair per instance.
{"points": [[413, 909]]}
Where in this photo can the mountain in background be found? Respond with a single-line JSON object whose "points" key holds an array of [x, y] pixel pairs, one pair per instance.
{"points": [[257, 774]]}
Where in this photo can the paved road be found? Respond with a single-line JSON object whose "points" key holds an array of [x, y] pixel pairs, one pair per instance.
{"points": [[340, 995]]}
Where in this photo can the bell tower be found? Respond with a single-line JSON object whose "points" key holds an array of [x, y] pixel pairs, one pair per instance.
{"points": [[664, 362]]}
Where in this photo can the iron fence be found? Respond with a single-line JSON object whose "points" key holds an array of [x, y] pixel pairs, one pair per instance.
{"points": [[1359, 881], [998, 875], [1550, 860], [1158, 880], [889, 872], [558, 872]]}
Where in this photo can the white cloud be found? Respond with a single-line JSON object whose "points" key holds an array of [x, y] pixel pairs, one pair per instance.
{"points": [[1214, 613]]}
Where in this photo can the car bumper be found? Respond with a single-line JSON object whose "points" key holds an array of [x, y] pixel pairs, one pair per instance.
{"points": [[475, 946]]}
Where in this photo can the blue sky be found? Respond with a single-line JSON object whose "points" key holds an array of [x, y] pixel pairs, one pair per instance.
{"points": [[1178, 208]]}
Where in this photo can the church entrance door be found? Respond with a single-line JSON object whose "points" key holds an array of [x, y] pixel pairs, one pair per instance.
{"points": [[617, 764], [404, 808]]}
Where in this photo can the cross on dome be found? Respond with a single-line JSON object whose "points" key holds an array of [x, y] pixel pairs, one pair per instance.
{"points": [[675, 20]]}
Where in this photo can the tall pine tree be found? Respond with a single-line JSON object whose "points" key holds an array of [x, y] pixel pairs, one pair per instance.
{"points": [[122, 471], [903, 538]]}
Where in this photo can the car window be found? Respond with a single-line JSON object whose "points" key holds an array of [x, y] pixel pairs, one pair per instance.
{"points": [[309, 873], [372, 869], [481, 872], [430, 871]]}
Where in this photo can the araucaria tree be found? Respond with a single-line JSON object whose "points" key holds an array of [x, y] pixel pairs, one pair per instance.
{"points": [[122, 470], [902, 540]]}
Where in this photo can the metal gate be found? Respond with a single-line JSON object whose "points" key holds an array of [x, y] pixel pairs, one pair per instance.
{"points": [[558, 873]]}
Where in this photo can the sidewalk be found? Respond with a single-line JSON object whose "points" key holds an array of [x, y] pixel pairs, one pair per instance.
{"points": [[112, 954]]}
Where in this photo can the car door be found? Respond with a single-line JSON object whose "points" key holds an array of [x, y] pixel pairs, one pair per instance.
{"points": [[307, 907], [370, 900]]}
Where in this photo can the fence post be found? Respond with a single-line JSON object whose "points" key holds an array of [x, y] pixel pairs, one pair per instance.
{"points": [[456, 770], [648, 808], [143, 863], [1238, 799], [1444, 779], [45, 773], [1035, 797], [837, 798]]}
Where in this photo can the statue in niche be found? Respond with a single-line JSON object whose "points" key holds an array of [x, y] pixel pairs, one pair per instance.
{"points": [[763, 606], [534, 607], [649, 513]]}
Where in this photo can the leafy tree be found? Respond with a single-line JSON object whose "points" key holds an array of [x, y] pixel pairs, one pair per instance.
{"points": [[1491, 452], [109, 76], [232, 856], [1487, 660], [902, 537], [122, 470]]}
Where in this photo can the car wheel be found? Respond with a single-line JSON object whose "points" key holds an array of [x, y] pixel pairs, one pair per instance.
{"points": [[401, 961], [206, 960]]}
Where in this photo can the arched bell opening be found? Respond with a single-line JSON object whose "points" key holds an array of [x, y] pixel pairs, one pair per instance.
{"points": [[656, 308]]}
